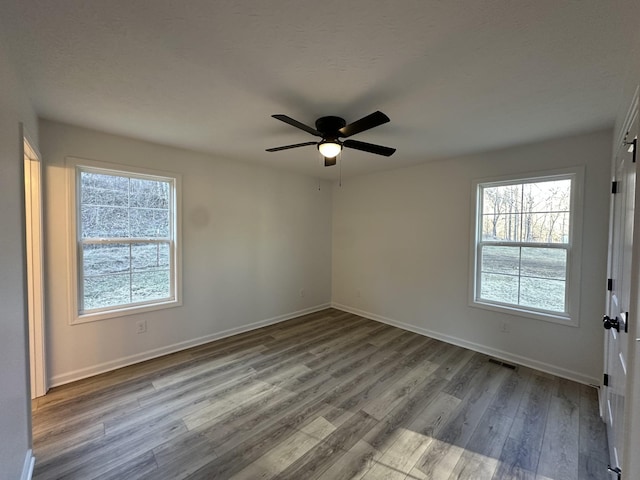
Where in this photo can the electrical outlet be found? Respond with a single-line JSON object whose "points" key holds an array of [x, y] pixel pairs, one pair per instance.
{"points": [[302, 292], [141, 326], [504, 326]]}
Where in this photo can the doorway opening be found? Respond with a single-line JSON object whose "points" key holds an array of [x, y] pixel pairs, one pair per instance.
{"points": [[35, 277]]}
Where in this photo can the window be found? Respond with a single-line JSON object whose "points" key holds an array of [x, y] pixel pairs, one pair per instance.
{"points": [[525, 244], [126, 246]]}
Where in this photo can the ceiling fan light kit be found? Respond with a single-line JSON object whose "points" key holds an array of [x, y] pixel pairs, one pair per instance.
{"points": [[330, 129], [329, 149]]}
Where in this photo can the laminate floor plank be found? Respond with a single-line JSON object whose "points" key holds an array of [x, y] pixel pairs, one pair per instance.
{"points": [[442, 455], [509, 396], [59, 440], [225, 404], [93, 459], [559, 455], [381, 405], [203, 369], [356, 336], [284, 454], [406, 446], [353, 465], [419, 342], [593, 456], [481, 454], [404, 415], [521, 453], [137, 467], [329, 396], [181, 456], [320, 458], [376, 386], [87, 407]]}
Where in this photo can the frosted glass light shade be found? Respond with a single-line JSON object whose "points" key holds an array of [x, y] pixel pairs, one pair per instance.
{"points": [[329, 149]]}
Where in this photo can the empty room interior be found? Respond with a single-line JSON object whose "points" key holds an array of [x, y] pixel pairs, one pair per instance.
{"points": [[302, 240]]}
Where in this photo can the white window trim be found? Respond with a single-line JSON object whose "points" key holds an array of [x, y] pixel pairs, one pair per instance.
{"points": [[574, 258], [74, 288]]}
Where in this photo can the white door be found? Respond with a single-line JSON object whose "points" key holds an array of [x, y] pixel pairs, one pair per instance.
{"points": [[616, 319]]}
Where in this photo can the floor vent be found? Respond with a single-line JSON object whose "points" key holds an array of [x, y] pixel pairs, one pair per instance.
{"points": [[503, 364]]}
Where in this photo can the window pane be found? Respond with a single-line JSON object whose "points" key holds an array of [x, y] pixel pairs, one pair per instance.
{"points": [[542, 293], [503, 199], [149, 193], [148, 256], [547, 196], [104, 222], [147, 222], [503, 228], [100, 189], [548, 263], [546, 227], [110, 280], [150, 285], [101, 259], [500, 259], [499, 288], [106, 291]]}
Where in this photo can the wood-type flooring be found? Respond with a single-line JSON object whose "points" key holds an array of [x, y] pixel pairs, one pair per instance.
{"points": [[326, 396]]}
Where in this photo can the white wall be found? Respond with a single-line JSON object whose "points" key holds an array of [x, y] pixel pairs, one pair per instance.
{"points": [[401, 239], [252, 238], [15, 404]]}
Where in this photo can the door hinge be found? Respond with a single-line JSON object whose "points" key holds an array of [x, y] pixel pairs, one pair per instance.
{"points": [[615, 187], [633, 147], [616, 471], [610, 284], [605, 380]]}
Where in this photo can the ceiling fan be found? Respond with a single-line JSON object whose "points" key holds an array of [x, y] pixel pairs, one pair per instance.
{"points": [[332, 129]]}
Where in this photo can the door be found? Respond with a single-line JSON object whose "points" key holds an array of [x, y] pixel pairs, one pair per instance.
{"points": [[616, 319]]}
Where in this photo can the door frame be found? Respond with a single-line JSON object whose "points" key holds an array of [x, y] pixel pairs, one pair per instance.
{"points": [[632, 405], [35, 264]]}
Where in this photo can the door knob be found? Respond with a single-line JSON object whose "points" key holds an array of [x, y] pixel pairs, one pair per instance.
{"points": [[609, 323]]}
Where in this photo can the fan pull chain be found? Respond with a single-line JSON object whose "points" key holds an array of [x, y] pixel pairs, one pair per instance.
{"points": [[340, 169]]}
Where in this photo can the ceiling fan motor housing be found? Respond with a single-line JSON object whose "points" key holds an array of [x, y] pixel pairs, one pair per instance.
{"points": [[329, 127]]}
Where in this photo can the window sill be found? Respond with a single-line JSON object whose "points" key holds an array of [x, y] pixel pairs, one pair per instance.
{"points": [[559, 319], [124, 311]]}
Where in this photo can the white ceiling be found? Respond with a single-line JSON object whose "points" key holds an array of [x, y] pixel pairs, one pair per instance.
{"points": [[454, 76]]}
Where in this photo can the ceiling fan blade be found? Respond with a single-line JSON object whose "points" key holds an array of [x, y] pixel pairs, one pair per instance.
{"points": [[329, 162], [365, 123], [287, 147], [369, 147], [297, 124]]}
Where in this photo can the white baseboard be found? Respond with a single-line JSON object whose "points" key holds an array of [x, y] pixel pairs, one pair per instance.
{"points": [[176, 347], [29, 463], [500, 354]]}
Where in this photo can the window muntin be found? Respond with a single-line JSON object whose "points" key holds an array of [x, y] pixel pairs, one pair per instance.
{"points": [[126, 242], [524, 244]]}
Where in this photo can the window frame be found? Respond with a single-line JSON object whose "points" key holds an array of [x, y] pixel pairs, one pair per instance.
{"points": [[573, 247], [74, 168]]}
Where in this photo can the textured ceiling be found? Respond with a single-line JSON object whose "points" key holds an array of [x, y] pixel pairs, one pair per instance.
{"points": [[454, 76]]}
